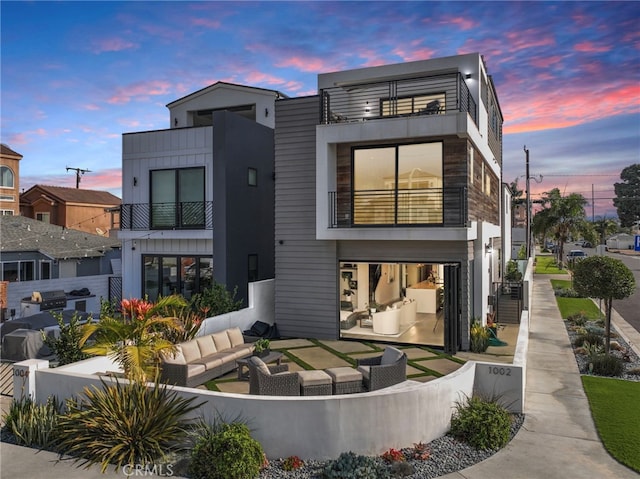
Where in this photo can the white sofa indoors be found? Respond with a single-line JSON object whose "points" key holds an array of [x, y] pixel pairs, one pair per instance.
{"points": [[205, 357], [394, 316]]}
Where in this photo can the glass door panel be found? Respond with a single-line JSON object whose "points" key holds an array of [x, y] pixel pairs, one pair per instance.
{"points": [[374, 184]]}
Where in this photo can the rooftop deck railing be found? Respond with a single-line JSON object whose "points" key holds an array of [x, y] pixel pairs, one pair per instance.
{"points": [[424, 95]]}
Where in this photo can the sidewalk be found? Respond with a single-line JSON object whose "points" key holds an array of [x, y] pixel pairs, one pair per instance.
{"points": [[558, 438]]}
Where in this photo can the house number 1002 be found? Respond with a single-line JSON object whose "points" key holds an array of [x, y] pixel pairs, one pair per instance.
{"points": [[499, 371]]}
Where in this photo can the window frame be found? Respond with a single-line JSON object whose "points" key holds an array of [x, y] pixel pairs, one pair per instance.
{"points": [[12, 177], [176, 209]]}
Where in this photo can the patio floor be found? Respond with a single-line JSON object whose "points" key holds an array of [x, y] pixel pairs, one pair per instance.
{"points": [[424, 364]]}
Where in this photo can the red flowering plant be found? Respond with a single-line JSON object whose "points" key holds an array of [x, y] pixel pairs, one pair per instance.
{"points": [[135, 338], [393, 455], [292, 463], [421, 451]]}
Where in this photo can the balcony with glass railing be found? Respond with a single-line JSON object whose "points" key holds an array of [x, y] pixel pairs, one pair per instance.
{"points": [[427, 207], [419, 96]]}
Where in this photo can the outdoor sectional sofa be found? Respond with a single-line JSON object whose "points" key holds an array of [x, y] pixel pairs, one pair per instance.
{"points": [[205, 357]]}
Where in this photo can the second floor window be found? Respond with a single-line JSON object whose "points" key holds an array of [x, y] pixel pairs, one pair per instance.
{"points": [[398, 184], [178, 198], [6, 177]]}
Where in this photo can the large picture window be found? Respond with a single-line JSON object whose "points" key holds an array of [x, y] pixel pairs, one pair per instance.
{"points": [[400, 184], [177, 198], [167, 275]]}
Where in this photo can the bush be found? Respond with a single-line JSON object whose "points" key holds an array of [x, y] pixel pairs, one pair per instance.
{"points": [[592, 338], [578, 319], [484, 424], [606, 365], [32, 424], [226, 452], [66, 346], [479, 337], [215, 301], [125, 424], [350, 465], [566, 293]]}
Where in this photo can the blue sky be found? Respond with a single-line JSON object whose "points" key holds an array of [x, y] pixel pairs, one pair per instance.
{"points": [[76, 75]]}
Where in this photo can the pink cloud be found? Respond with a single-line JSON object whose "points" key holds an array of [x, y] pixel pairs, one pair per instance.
{"points": [[91, 107], [206, 22], [591, 47], [546, 62], [307, 64], [463, 23], [139, 91], [414, 55], [112, 45]]}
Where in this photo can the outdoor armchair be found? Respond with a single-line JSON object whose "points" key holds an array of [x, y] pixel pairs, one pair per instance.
{"points": [[383, 371], [271, 380]]}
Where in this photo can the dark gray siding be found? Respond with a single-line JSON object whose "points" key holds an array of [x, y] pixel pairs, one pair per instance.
{"points": [[306, 269], [245, 212]]}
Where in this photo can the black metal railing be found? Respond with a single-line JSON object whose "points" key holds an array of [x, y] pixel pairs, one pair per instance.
{"points": [[425, 95], [415, 207], [191, 215]]}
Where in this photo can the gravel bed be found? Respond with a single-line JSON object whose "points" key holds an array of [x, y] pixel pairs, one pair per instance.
{"points": [[631, 367], [447, 455]]}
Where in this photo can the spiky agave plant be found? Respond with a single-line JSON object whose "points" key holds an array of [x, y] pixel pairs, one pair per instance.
{"points": [[126, 424], [137, 337]]}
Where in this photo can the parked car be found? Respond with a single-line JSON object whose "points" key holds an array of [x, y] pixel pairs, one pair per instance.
{"points": [[576, 254], [586, 244]]}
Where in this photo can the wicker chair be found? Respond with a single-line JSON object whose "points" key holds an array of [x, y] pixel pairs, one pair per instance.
{"points": [[272, 380], [383, 371]]}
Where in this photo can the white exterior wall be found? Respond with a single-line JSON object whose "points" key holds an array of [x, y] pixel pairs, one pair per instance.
{"points": [[220, 96], [180, 148]]}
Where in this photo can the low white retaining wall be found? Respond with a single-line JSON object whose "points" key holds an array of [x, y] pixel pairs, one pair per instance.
{"points": [[319, 427]]}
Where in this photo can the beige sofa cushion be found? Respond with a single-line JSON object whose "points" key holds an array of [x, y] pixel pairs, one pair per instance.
{"points": [[195, 369], [222, 341], [206, 345], [176, 357], [260, 365], [191, 351], [235, 336], [212, 361]]}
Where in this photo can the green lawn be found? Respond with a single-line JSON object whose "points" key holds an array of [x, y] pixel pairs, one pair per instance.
{"points": [[614, 407], [569, 306], [561, 283], [546, 264]]}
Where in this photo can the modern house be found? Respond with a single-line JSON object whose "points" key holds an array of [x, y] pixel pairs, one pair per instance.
{"points": [[198, 196], [91, 211], [9, 181], [388, 203]]}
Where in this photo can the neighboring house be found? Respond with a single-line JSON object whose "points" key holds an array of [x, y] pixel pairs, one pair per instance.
{"points": [[85, 210], [198, 197], [37, 256], [388, 186], [9, 181], [32, 250]]}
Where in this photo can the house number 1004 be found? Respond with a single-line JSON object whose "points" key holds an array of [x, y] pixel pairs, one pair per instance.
{"points": [[499, 371]]}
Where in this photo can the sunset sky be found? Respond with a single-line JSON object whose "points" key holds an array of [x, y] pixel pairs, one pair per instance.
{"points": [[77, 75]]}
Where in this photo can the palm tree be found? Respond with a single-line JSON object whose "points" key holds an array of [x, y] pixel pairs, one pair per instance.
{"points": [[605, 227], [136, 338], [563, 215]]}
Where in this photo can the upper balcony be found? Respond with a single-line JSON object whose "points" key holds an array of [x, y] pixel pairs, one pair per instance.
{"points": [[422, 95], [193, 215]]}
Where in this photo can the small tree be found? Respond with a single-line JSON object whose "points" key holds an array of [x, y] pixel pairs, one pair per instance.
{"points": [[604, 278]]}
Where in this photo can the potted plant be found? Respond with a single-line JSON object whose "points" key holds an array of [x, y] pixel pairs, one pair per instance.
{"points": [[261, 347]]}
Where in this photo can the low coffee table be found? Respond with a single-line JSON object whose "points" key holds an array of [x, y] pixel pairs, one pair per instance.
{"points": [[272, 357]]}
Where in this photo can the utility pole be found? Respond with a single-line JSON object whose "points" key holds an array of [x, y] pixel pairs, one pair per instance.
{"points": [[79, 171], [528, 229]]}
